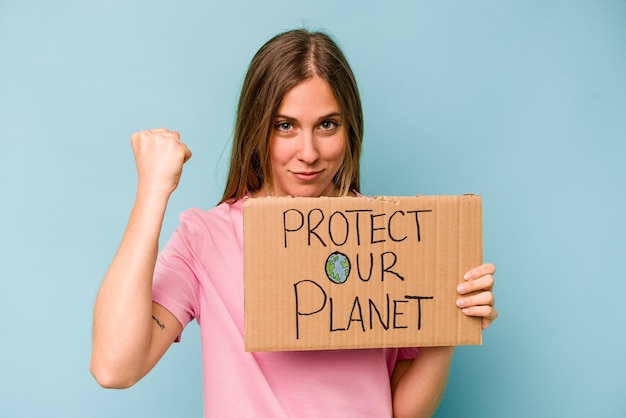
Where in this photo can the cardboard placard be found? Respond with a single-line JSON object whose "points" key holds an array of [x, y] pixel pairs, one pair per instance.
{"points": [[332, 273]]}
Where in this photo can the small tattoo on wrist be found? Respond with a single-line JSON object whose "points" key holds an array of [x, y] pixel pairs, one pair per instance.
{"points": [[162, 326]]}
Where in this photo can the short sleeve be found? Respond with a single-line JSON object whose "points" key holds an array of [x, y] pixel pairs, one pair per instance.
{"points": [[408, 353], [175, 284]]}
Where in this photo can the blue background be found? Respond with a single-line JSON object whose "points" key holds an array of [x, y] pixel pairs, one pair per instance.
{"points": [[523, 102]]}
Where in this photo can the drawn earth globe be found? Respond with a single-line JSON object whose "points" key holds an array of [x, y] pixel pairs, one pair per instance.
{"points": [[337, 267]]}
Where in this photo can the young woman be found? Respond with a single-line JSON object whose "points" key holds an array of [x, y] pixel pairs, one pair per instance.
{"points": [[298, 132]]}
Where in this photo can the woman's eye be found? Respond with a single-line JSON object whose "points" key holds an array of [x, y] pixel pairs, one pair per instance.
{"points": [[328, 125], [284, 126]]}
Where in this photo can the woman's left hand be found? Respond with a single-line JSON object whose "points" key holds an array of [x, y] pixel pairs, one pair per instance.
{"points": [[480, 280]]}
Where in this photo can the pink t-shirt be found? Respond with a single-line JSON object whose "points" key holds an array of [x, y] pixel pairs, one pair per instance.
{"points": [[199, 274]]}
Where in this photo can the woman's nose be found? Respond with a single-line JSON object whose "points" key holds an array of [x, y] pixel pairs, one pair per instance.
{"points": [[308, 149]]}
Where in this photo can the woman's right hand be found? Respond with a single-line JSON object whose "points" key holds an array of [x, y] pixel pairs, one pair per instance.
{"points": [[159, 156]]}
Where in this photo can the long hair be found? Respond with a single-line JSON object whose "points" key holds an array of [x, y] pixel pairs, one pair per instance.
{"points": [[283, 62]]}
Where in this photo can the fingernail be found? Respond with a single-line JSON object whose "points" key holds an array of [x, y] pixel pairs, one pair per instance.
{"points": [[467, 276], [460, 289], [460, 303]]}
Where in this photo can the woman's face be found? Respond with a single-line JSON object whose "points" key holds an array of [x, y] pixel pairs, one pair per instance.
{"points": [[308, 141]]}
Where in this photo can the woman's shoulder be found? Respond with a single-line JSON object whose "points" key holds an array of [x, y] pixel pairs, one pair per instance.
{"points": [[223, 212]]}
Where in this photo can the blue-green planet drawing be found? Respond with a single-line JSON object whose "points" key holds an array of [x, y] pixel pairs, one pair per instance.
{"points": [[337, 267]]}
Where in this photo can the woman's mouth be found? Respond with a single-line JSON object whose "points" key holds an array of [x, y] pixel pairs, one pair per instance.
{"points": [[306, 176]]}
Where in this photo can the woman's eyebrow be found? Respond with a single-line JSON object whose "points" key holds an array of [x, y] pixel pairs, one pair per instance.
{"points": [[333, 115], [329, 115]]}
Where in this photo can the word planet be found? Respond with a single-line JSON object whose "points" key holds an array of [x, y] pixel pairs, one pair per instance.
{"points": [[337, 267]]}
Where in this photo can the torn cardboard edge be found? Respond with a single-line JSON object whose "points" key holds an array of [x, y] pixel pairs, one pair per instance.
{"points": [[358, 272]]}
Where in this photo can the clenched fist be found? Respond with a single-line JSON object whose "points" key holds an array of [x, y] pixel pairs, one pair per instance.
{"points": [[159, 156]]}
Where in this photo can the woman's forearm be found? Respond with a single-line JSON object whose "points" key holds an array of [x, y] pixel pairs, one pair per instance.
{"points": [[122, 329], [417, 387]]}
